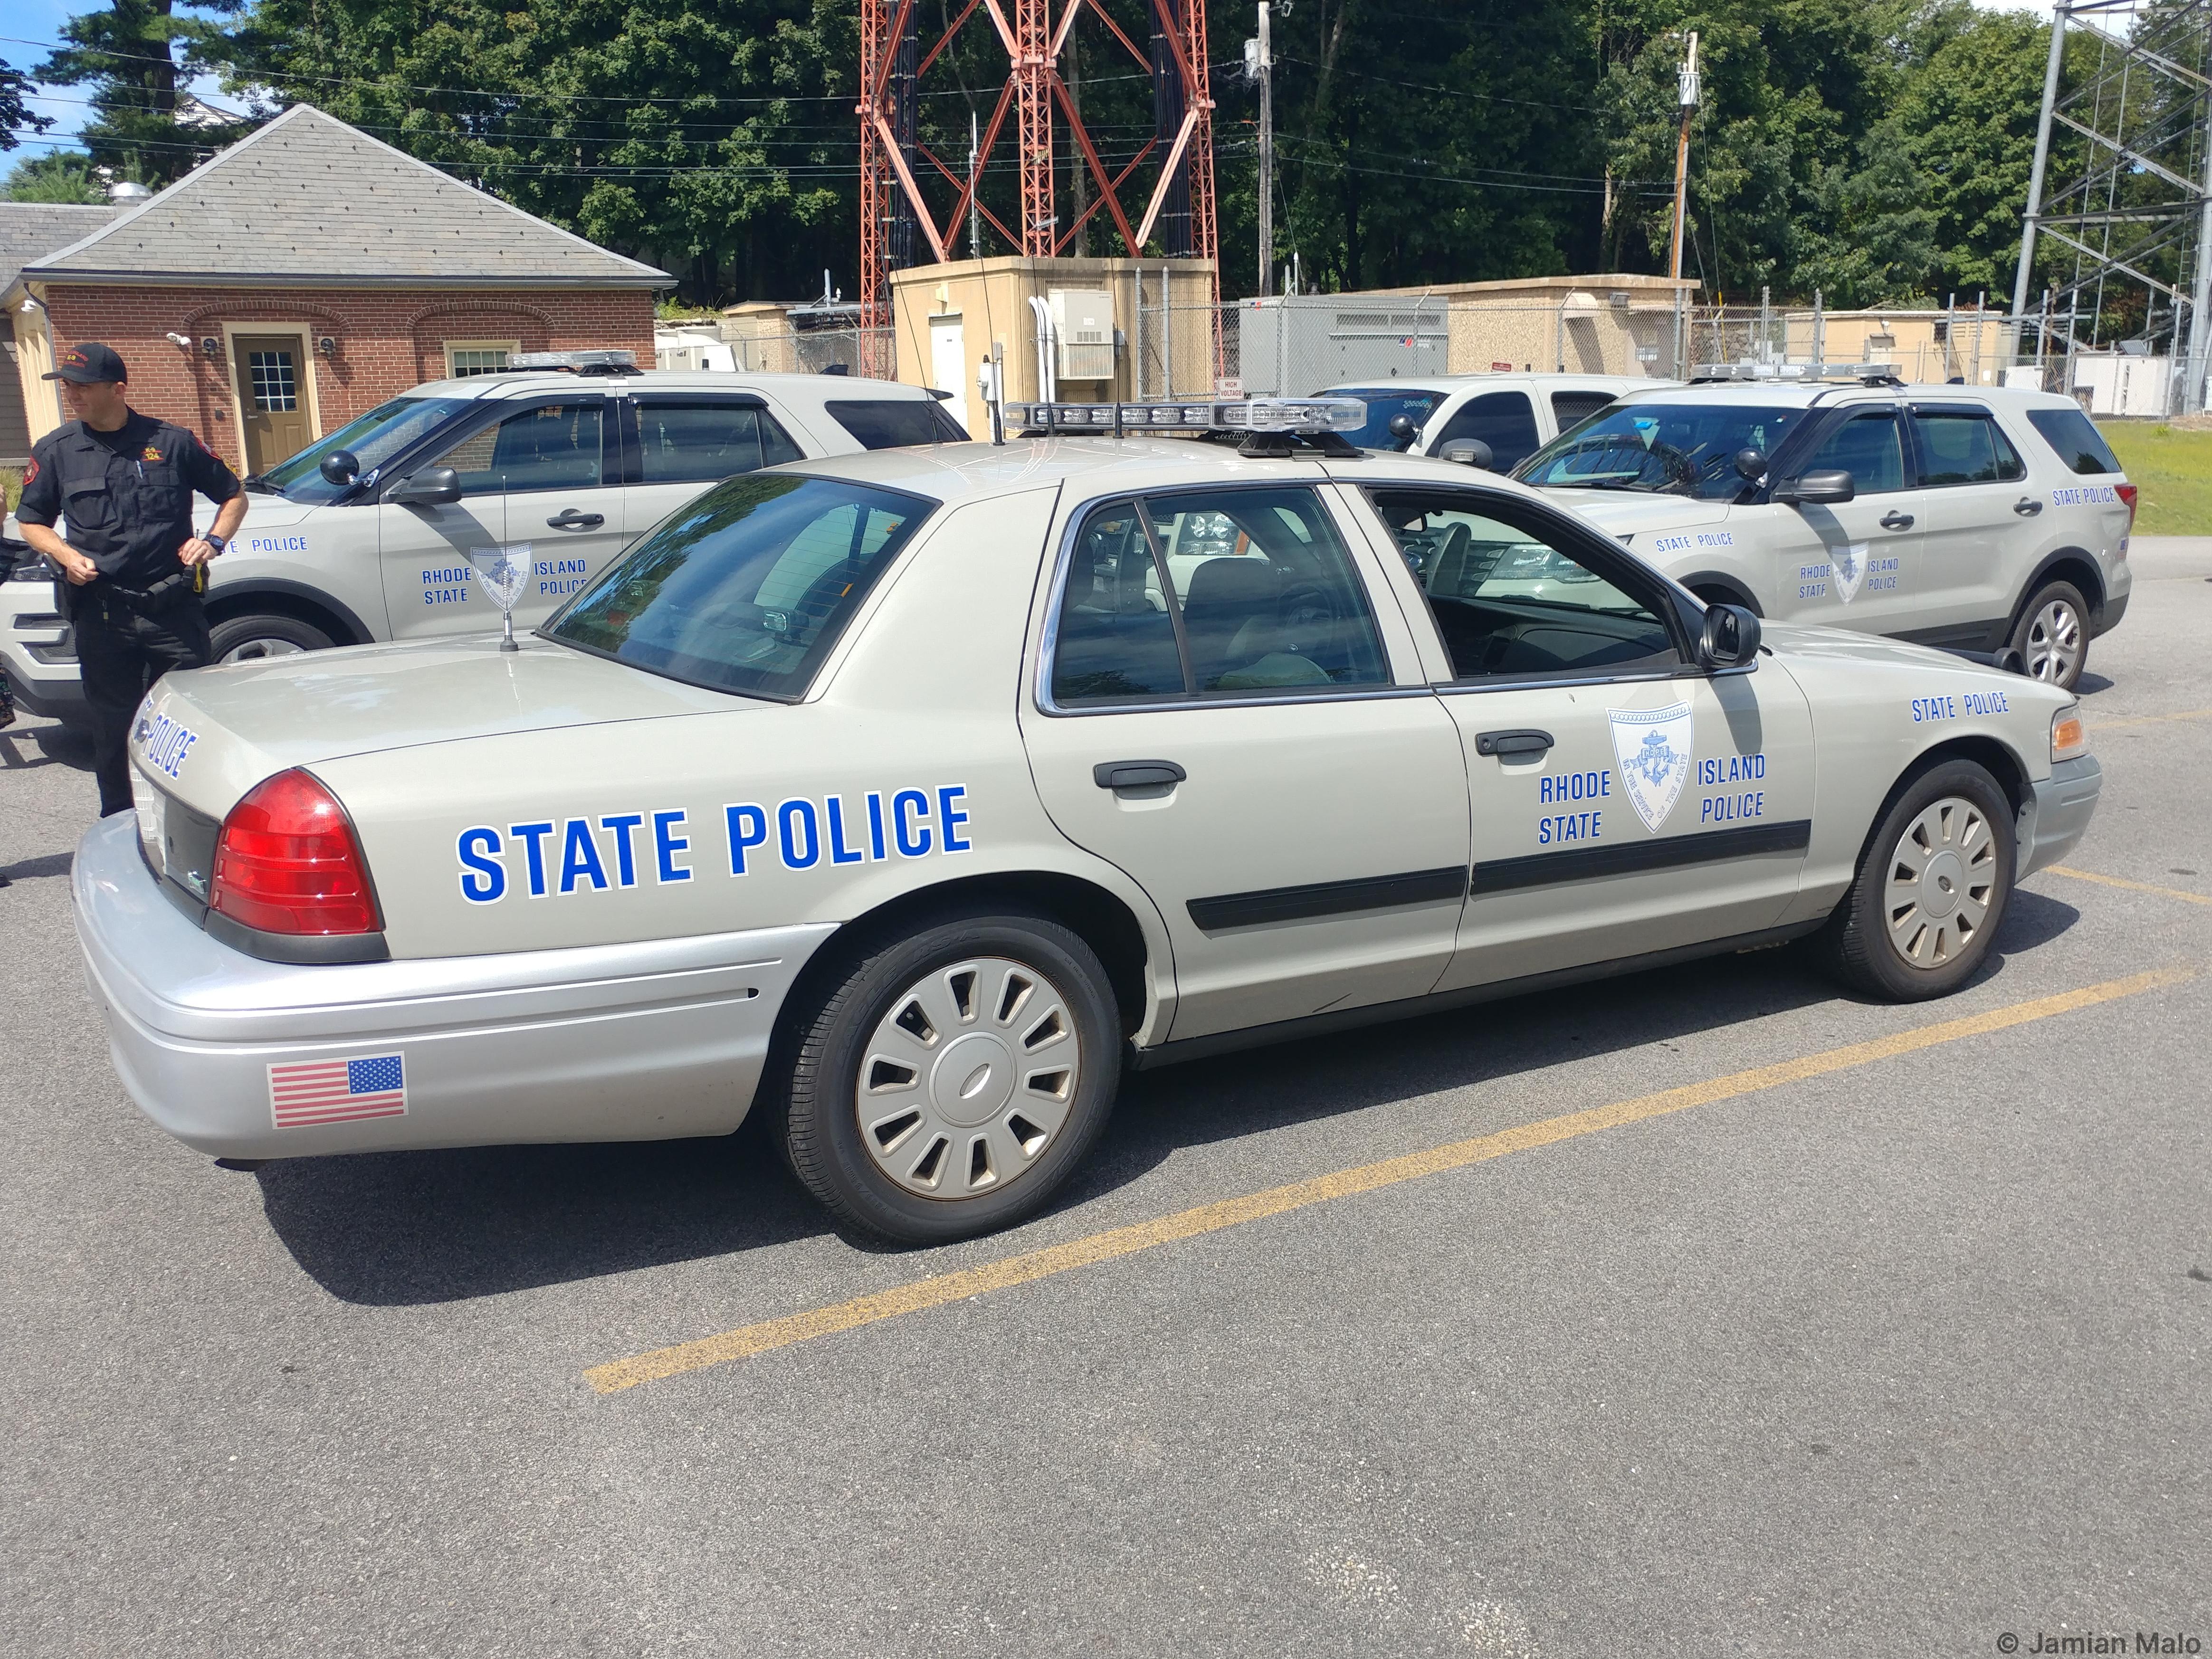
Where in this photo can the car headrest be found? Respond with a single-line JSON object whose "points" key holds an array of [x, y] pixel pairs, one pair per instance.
{"points": [[1231, 586]]}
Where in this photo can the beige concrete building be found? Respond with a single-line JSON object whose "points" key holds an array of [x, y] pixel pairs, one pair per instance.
{"points": [[1614, 322]]}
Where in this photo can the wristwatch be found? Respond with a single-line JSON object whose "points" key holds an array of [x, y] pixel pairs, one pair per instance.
{"points": [[216, 542]]}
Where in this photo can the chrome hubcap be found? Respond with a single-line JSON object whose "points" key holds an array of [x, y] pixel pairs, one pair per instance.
{"points": [[2054, 642], [964, 1083], [255, 650], [1942, 877]]}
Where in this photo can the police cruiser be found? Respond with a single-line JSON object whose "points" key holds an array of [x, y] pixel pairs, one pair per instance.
{"points": [[1991, 519], [912, 798], [1511, 416], [369, 533]]}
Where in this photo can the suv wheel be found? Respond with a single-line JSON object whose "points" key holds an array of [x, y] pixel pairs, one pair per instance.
{"points": [[252, 637], [952, 1078], [2052, 635], [1931, 889]]}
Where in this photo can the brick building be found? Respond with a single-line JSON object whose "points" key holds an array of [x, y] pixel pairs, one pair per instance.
{"points": [[304, 276], [28, 231]]}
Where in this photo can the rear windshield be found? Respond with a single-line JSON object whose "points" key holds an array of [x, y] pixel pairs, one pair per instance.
{"points": [[1385, 405], [2077, 440], [885, 423], [1662, 449], [746, 589], [375, 439]]}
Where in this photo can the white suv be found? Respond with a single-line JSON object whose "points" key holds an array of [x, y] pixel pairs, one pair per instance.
{"points": [[1510, 415], [366, 534], [1988, 519]]}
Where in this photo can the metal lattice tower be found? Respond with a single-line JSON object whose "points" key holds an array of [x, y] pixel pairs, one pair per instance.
{"points": [[893, 208], [2127, 95]]}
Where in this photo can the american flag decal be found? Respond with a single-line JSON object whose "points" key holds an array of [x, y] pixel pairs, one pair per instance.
{"points": [[337, 1091]]}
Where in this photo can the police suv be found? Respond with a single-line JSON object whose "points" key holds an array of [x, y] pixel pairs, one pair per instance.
{"points": [[369, 534], [1511, 416], [910, 798], [1991, 519]]}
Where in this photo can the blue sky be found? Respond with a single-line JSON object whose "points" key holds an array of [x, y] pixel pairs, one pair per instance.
{"points": [[41, 22]]}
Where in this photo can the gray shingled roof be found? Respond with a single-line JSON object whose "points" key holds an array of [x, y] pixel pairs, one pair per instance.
{"points": [[309, 201], [31, 230]]}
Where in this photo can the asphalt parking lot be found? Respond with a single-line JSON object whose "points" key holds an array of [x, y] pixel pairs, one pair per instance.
{"points": [[1795, 1325]]}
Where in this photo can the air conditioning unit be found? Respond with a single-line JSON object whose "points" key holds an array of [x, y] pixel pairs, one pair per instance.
{"points": [[1082, 319]]}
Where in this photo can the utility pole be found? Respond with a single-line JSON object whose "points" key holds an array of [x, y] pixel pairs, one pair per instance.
{"points": [[975, 213], [2059, 16], [1689, 100], [1263, 65]]}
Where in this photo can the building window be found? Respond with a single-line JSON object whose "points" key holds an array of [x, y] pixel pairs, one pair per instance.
{"points": [[466, 357], [274, 391]]}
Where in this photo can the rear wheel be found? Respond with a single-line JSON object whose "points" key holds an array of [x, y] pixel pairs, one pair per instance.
{"points": [[952, 1078], [264, 634], [2052, 634], [1931, 889]]}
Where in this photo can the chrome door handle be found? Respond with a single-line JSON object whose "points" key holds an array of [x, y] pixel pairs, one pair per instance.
{"points": [[569, 518], [1512, 743], [1895, 520], [1135, 774], [2027, 507]]}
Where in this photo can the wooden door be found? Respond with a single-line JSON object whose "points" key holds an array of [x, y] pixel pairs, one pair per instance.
{"points": [[271, 397]]}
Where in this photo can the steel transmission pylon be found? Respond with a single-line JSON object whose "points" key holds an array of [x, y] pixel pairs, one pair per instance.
{"points": [[1178, 206], [2126, 189]]}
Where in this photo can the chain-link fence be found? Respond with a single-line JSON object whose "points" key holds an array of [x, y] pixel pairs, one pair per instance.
{"points": [[783, 349]]}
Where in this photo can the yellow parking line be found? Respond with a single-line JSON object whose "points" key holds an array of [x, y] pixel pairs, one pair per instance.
{"points": [[2132, 886], [750, 1340], [2151, 719]]}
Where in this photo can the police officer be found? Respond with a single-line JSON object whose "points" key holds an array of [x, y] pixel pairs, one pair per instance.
{"points": [[131, 565]]}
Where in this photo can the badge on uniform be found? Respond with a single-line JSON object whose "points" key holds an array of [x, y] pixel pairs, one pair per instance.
{"points": [[1654, 747], [151, 453]]}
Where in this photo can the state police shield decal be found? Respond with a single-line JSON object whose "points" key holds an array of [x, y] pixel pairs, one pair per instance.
{"points": [[1850, 566], [1654, 747]]}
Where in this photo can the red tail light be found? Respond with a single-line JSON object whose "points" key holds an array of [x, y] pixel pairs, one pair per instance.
{"points": [[288, 862], [2127, 492]]}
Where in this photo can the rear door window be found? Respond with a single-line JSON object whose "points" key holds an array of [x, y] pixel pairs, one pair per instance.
{"points": [[1964, 446], [1503, 420], [895, 423], [2075, 439], [700, 442], [1570, 408], [1225, 592]]}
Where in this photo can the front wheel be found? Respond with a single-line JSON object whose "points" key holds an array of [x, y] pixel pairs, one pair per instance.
{"points": [[257, 635], [2052, 635], [950, 1080], [1931, 889]]}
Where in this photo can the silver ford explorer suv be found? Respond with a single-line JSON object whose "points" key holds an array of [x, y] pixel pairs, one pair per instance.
{"points": [[367, 534], [1977, 518]]}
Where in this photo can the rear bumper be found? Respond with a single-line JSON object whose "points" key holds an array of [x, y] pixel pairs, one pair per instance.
{"points": [[638, 1042], [2109, 614], [2056, 812]]}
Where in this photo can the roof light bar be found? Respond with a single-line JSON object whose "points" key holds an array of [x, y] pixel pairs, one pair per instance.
{"points": [[1793, 372], [1290, 415], [582, 361]]}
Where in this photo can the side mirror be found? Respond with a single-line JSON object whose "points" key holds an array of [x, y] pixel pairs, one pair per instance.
{"points": [[1466, 452], [1826, 489], [435, 486], [1402, 428], [1750, 465], [1730, 638], [340, 467]]}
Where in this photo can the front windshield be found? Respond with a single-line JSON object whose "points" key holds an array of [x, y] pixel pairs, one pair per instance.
{"points": [[746, 588], [375, 439], [1384, 404], [1662, 449]]}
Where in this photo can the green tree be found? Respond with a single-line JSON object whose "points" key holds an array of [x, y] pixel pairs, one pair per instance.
{"points": [[135, 56], [14, 115], [64, 176]]}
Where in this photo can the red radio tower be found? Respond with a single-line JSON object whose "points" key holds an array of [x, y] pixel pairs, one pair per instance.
{"points": [[893, 160]]}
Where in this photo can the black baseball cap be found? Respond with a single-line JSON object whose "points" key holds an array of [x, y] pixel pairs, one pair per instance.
{"points": [[87, 365]]}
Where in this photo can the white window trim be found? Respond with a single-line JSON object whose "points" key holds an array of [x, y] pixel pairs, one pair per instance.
{"points": [[510, 347]]}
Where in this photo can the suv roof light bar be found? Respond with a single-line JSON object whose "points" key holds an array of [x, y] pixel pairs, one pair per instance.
{"points": [[576, 362], [1866, 374], [1292, 417]]}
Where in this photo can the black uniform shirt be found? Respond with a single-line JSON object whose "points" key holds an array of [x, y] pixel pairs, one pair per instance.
{"points": [[127, 495]]}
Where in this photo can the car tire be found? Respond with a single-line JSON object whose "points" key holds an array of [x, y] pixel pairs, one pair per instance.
{"points": [[1931, 889], [944, 1083], [259, 635], [2052, 635]]}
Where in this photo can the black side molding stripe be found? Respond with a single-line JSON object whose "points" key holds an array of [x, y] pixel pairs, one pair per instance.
{"points": [[1327, 898], [1625, 857]]}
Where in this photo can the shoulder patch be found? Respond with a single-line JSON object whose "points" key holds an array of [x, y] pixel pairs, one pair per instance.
{"points": [[32, 471]]}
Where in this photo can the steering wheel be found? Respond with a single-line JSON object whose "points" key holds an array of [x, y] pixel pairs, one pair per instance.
{"points": [[1310, 615]]}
